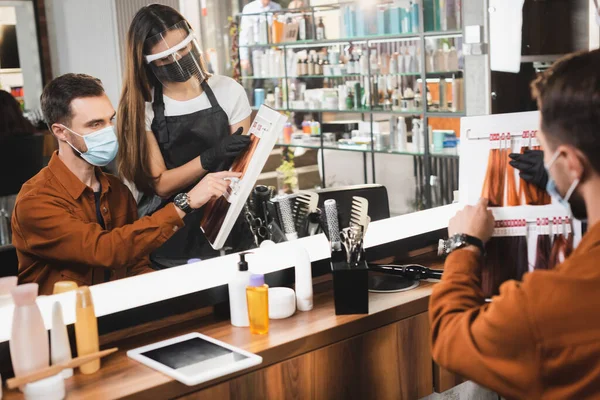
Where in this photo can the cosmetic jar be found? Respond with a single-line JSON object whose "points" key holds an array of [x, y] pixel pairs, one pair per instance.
{"points": [[52, 388], [282, 303]]}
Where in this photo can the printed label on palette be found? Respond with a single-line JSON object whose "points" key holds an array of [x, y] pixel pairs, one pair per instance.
{"points": [[494, 141], [259, 127], [526, 139], [534, 139], [510, 228]]}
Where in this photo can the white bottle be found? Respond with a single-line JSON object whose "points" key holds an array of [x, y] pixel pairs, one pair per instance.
{"points": [[60, 349], [238, 305], [417, 134], [401, 134]]}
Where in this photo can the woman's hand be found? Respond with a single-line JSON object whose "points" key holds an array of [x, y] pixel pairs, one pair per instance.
{"points": [[210, 187], [531, 167], [228, 149]]}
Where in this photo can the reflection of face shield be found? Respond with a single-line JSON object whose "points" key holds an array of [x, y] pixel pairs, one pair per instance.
{"points": [[175, 56]]}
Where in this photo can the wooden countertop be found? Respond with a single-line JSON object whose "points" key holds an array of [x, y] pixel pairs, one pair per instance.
{"points": [[121, 377]]}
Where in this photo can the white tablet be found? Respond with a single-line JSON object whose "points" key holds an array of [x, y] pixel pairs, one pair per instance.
{"points": [[194, 358]]}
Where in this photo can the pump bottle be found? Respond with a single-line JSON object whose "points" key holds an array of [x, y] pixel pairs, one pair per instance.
{"points": [[238, 304]]}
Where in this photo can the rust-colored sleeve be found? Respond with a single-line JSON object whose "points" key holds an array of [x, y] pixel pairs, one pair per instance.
{"points": [[143, 265], [491, 344], [52, 232]]}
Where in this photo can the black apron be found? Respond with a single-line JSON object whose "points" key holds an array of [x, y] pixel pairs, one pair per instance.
{"points": [[182, 138]]}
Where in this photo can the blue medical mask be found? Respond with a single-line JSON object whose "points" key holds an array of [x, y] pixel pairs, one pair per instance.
{"points": [[553, 190], [102, 146]]}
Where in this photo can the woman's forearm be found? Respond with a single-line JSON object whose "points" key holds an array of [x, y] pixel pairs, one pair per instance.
{"points": [[173, 181]]}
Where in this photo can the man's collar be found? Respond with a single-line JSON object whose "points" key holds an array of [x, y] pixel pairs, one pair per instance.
{"points": [[72, 183]]}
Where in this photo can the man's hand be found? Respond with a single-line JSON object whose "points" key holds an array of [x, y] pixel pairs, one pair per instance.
{"points": [[476, 221], [210, 187]]}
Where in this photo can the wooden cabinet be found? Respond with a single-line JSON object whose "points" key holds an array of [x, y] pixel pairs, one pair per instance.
{"points": [[392, 362]]}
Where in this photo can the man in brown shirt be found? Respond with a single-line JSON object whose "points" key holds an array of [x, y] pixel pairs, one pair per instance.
{"points": [[74, 222], [540, 338]]}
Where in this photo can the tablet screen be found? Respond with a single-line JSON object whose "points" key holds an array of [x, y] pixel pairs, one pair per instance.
{"points": [[194, 356]]}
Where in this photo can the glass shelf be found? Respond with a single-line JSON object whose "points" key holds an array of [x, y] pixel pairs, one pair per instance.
{"points": [[357, 111], [359, 40], [446, 114], [443, 34], [262, 77], [449, 152], [445, 74], [438, 114], [302, 146]]}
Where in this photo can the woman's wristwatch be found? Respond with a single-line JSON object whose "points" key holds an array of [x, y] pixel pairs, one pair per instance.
{"points": [[182, 201], [459, 241]]}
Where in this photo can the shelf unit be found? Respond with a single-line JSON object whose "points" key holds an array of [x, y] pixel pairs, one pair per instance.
{"points": [[424, 113]]}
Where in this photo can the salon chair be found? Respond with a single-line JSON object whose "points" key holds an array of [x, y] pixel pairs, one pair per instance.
{"points": [[21, 157], [9, 265]]}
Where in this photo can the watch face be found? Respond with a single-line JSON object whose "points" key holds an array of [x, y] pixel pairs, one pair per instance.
{"points": [[458, 241]]}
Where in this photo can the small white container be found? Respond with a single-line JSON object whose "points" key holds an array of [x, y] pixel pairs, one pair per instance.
{"points": [[282, 303], [52, 388]]}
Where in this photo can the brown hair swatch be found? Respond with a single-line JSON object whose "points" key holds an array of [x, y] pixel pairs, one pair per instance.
{"points": [[561, 249], [513, 197], [506, 259], [493, 184], [542, 255]]}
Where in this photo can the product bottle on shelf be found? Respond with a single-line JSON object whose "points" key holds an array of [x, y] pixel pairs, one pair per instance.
{"points": [[277, 97], [29, 350], [301, 28], [350, 100], [60, 347], [257, 294], [306, 127], [305, 67], [357, 96], [86, 329], [375, 93], [395, 101], [311, 65], [319, 65], [238, 304], [443, 96], [408, 100], [321, 30], [418, 99], [414, 17], [401, 136]]}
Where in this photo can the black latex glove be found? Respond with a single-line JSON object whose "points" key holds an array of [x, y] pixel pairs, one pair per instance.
{"points": [[531, 167], [214, 159]]}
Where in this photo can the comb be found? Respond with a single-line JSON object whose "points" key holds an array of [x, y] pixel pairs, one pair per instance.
{"points": [[360, 212], [305, 203]]}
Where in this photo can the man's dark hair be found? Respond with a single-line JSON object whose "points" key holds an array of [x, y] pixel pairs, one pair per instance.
{"points": [[60, 92], [568, 95]]}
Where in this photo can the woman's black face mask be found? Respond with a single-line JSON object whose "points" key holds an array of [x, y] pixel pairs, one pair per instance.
{"points": [[179, 71]]}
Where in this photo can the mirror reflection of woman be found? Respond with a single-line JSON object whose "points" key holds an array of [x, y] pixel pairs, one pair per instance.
{"points": [[176, 122]]}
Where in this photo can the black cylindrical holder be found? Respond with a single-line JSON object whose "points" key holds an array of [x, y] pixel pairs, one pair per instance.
{"points": [[350, 286]]}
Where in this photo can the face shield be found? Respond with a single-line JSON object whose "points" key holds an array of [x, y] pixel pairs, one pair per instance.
{"points": [[175, 56]]}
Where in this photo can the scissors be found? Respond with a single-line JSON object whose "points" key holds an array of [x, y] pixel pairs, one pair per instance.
{"points": [[257, 227]]}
